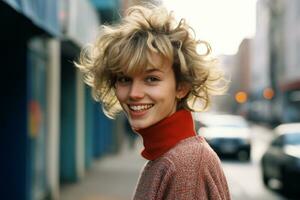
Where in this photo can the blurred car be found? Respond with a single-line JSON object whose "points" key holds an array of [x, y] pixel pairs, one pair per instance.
{"points": [[226, 134], [281, 161]]}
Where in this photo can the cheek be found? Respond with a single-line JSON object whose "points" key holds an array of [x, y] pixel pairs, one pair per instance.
{"points": [[121, 93], [170, 90], [166, 93]]}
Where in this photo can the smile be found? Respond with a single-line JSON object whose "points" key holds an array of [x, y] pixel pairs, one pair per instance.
{"points": [[139, 108]]}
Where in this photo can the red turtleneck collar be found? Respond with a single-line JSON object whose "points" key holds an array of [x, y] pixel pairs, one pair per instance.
{"points": [[162, 136]]}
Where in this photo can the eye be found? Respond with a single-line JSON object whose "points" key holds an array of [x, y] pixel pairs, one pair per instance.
{"points": [[152, 79], [123, 80]]}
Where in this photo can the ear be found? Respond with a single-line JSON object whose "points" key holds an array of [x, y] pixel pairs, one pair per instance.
{"points": [[182, 90]]}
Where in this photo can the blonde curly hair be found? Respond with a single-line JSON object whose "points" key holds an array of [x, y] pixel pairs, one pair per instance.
{"points": [[127, 47]]}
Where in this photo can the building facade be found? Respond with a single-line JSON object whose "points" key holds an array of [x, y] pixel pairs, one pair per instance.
{"points": [[276, 64]]}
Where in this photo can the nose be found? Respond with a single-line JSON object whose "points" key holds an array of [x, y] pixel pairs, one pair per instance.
{"points": [[136, 90]]}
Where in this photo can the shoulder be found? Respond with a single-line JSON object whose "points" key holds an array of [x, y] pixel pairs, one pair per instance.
{"points": [[191, 149], [194, 156], [156, 169], [194, 160], [155, 179]]}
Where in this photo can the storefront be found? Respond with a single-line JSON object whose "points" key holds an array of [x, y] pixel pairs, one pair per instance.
{"points": [[27, 31]]}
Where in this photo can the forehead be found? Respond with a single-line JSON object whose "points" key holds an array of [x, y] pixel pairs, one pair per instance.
{"points": [[155, 62]]}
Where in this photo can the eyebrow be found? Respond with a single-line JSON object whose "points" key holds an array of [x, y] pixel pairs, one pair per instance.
{"points": [[153, 70]]}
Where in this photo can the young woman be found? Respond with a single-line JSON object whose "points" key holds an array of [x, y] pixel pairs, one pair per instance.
{"points": [[148, 66]]}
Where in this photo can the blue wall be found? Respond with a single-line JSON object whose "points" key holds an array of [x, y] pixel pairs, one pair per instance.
{"points": [[89, 127], [103, 136], [68, 126]]}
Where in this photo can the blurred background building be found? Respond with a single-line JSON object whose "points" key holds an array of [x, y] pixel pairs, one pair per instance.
{"points": [[265, 73]]}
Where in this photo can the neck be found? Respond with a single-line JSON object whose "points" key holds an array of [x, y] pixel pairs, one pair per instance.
{"points": [[162, 136]]}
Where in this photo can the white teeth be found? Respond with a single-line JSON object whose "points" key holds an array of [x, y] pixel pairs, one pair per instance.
{"points": [[140, 107]]}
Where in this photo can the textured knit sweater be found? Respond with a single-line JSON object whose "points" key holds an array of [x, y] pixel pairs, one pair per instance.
{"points": [[181, 165]]}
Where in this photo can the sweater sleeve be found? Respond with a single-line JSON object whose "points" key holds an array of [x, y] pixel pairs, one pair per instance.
{"points": [[155, 180], [215, 184]]}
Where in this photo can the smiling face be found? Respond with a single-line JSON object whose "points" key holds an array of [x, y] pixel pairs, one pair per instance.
{"points": [[150, 96]]}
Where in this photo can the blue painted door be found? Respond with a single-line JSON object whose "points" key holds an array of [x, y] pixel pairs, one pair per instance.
{"points": [[36, 119]]}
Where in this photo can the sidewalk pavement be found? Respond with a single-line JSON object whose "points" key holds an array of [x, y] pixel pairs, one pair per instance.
{"points": [[113, 177]]}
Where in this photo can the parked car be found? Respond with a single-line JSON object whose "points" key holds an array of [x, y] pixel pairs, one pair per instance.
{"points": [[226, 134], [281, 161]]}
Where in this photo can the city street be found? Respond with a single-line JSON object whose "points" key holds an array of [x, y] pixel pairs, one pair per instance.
{"points": [[244, 178], [114, 177]]}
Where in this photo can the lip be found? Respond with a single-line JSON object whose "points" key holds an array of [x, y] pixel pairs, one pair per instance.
{"points": [[138, 114]]}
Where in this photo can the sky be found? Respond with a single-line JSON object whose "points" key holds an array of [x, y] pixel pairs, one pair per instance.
{"points": [[223, 23]]}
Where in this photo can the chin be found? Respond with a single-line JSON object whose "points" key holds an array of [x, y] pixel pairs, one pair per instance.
{"points": [[139, 125]]}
